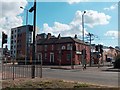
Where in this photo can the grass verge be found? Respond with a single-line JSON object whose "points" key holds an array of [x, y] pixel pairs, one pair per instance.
{"points": [[44, 83]]}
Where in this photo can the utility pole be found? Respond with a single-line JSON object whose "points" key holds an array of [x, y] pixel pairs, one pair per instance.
{"points": [[91, 37]]}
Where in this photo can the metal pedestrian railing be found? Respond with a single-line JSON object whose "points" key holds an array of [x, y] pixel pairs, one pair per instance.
{"points": [[14, 71]]}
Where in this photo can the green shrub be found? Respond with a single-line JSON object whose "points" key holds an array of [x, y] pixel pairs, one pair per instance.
{"points": [[80, 85], [117, 61]]}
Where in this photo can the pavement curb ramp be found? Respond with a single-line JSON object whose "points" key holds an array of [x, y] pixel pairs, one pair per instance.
{"points": [[69, 68], [113, 70]]}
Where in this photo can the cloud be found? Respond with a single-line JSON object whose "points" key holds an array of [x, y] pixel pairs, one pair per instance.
{"points": [[101, 43], [113, 34], [92, 18], [63, 29], [12, 7], [9, 15], [75, 1], [111, 7]]}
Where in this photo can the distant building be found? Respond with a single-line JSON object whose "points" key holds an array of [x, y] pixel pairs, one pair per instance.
{"points": [[110, 52], [1, 54], [5, 55], [60, 50], [21, 38]]}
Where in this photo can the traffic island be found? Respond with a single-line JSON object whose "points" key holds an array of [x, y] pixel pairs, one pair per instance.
{"points": [[47, 83]]}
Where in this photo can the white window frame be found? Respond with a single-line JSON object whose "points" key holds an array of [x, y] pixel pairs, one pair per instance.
{"points": [[39, 57], [45, 47], [45, 56], [53, 57], [69, 46], [63, 47], [52, 46]]}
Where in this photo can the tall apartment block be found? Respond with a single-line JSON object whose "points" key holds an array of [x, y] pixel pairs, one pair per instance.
{"points": [[21, 38]]}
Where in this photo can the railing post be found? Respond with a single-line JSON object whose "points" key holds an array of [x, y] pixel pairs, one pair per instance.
{"points": [[13, 69]]}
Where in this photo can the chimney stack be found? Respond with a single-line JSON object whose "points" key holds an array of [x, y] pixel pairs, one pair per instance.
{"points": [[59, 36], [75, 36], [49, 36]]}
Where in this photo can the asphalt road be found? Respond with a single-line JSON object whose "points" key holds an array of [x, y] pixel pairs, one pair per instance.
{"points": [[93, 76]]}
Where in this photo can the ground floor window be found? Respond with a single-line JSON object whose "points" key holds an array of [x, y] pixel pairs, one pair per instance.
{"points": [[39, 57], [45, 56], [68, 57], [51, 57]]}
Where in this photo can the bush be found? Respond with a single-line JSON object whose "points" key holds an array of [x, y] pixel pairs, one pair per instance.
{"points": [[21, 60], [117, 62]]}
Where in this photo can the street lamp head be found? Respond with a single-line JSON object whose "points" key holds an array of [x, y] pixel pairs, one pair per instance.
{"points": [[84, 12], [22, 7]]}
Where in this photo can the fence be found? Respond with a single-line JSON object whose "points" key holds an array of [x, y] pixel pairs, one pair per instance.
{"points": [[19, 71]]}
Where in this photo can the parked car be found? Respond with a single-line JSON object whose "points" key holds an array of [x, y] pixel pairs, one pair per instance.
{"points": [[109, 59]]}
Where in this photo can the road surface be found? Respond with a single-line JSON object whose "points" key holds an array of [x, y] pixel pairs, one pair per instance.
{"points": [[94, 77]]}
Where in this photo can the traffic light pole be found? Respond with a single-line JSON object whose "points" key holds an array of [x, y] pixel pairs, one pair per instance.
{"points": [[4, 40], [2, 57], [71, 51], [90, 50], [99, 49], [2, 45]]}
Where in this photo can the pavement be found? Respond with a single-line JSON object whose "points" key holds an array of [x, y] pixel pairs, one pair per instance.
{"points": [[0, 75], [88, 68], [105, 67]]}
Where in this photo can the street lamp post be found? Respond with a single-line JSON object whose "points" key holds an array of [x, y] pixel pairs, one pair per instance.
{"points": [[83, 24], [26, 50], [26, 14], [33, 45], [84, 64]]}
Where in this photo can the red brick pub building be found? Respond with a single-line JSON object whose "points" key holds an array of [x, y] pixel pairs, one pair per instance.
{"points": [[60, 50]]}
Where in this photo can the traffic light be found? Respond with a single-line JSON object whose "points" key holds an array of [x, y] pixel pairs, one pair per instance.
{"points": [[96, 48], [101, 48], [4, 38]]}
